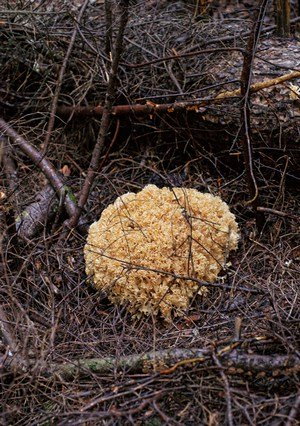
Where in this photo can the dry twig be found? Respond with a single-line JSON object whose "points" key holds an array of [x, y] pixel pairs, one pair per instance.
{"points": [[105, 121], [61, 77], [246, 78], [194, 105], [44, 164]]}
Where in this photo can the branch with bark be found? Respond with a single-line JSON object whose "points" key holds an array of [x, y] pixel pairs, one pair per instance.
{"points": [[152, 108], [167, 361], [283, 17], [106, 114], [56, 181]]}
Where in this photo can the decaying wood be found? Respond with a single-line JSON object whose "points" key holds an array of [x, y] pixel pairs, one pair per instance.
{"points": [[44, 164], [12, 357], [274, 105], [35, 217], [167, 361], [11, 174]]}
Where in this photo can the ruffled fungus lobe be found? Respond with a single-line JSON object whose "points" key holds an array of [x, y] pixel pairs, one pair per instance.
{"points": [[146, 245]]}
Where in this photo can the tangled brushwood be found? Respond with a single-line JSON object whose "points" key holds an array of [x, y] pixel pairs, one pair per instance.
{"points": [[149, 249]]}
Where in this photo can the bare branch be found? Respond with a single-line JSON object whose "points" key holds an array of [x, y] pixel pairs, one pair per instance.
{"points": [[44, 164], [195, 105], [107, 110]]}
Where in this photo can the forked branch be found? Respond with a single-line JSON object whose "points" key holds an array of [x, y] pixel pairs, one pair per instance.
{"points": [[106, 114]]}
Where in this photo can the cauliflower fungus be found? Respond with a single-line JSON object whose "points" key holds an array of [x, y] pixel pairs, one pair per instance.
{"points": [[145, 246]]}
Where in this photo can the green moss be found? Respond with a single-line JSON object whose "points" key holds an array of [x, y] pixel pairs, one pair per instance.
{"points": [[69, 193], [153, 421]]}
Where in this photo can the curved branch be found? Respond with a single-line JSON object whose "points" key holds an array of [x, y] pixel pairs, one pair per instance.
{"points": [[44, 164], [246, 142]]}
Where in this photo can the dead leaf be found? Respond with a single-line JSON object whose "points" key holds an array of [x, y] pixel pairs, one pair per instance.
{"points": [[65, 170]]}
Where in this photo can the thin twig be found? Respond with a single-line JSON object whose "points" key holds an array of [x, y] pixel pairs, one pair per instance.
{"points": [[294, 412], [13, 358], [246, 78], [11, 174], [237, 36], [277, 212], [61, 77], [167, 421], [105, 121], [183, 55], [6, 331], [227, 389], [133, 266], [108, 29]]}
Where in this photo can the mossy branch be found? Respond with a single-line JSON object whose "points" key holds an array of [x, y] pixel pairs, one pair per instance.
{"points": [[167, 361]]}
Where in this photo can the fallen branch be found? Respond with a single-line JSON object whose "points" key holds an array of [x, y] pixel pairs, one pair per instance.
{"points": [[151, 107], [45, 165], [167, 361]]}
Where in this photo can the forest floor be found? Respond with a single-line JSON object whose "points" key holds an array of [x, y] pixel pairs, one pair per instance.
{"points": [[68, 355]]}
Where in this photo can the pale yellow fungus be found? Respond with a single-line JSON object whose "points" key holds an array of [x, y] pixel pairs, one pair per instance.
{"points": [[145, 246]]}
